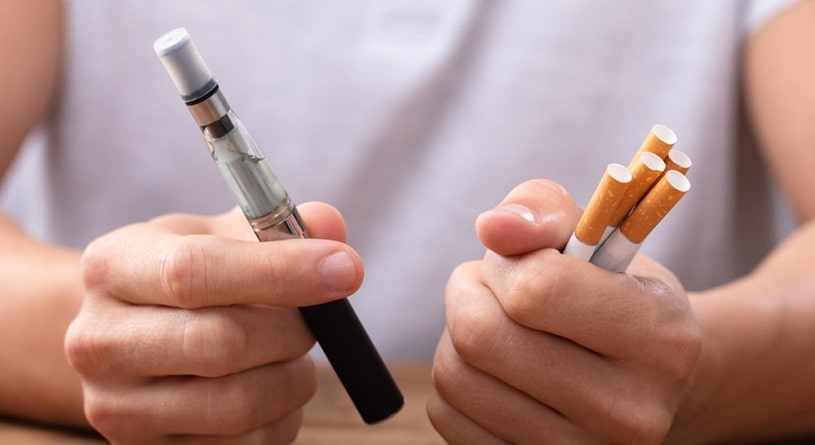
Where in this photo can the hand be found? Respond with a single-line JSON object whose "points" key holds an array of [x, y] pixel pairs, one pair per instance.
{"points": [[541, 347], [189, 332]]}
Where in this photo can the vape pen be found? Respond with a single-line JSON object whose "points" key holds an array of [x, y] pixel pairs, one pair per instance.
{"points": [[273, 216]]}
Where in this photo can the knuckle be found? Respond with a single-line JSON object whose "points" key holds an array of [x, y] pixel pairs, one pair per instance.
{"points": [[635, 413], [104, 413], [236, 410], [289, 336], [289, 273], [290, 427], [295, 342], [678, 336], [683, 346], [100, 416], [283, 431], [242, 404], [644, 426], [447, 376], [87, 350], [471, 333], [183, 273], [214, 341], [94, 264], [459, 284], [303, 372], [531, 291]]}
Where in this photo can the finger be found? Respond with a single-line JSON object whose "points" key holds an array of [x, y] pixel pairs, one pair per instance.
{"points": [[226, 406], [535, 215], [283, 431], [141, 264], [591, 391], [614, 314], [499, 408], [119, 342], [322, 221], [646, 269], [455, 427]]}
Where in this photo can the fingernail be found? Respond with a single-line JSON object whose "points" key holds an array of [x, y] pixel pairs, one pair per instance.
{"points": [[517, 209], [339, 271]]}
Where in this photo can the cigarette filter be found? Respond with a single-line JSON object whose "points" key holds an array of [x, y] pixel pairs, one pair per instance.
{"points": [[621, 246], [654, 206], [646, 170], [590, 228], [659, 141]]}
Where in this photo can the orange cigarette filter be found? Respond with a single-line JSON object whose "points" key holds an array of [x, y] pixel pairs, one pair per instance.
{"points": [[602, 204], [678, 160], [645, 171], [659, 141], [654, 206]]}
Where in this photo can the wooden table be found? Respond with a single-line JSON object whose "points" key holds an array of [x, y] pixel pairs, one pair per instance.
{"points": [[330, 418]]}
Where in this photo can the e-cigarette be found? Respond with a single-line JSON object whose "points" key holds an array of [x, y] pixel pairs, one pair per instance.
{"points": [[273, 216]]}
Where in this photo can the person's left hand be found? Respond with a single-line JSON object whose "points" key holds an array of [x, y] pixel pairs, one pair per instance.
{"points": [[541, 347]]}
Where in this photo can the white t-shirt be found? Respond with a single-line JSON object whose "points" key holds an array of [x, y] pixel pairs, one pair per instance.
{"points": [[412, 117]]}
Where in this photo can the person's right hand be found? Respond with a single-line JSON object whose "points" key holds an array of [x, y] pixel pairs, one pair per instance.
{"points": [[189, 332], [542, 347]]}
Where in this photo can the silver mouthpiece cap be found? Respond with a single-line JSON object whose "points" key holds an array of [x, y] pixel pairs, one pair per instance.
{"points": [[184, 63]]}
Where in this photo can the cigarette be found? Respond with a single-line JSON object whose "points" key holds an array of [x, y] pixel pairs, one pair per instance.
{"points": [[621, 246], [677, 160], [645, 172], [590, 228], [659, 141]]}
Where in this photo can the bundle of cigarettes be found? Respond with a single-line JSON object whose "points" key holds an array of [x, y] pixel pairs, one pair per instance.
{"points": [[630, 201]]}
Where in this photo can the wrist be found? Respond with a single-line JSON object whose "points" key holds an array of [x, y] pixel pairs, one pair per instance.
{"points": [[691, 421], [740, 326]]}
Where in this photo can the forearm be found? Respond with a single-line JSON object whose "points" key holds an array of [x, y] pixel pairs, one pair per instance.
{"points": [[41, 295], [754, 380]]}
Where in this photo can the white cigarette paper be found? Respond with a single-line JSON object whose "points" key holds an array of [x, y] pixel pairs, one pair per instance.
{"points": [[616, 253]]}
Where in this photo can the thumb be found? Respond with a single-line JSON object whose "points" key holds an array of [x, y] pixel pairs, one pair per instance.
{"points": [[537, 214], [322, 221]]}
